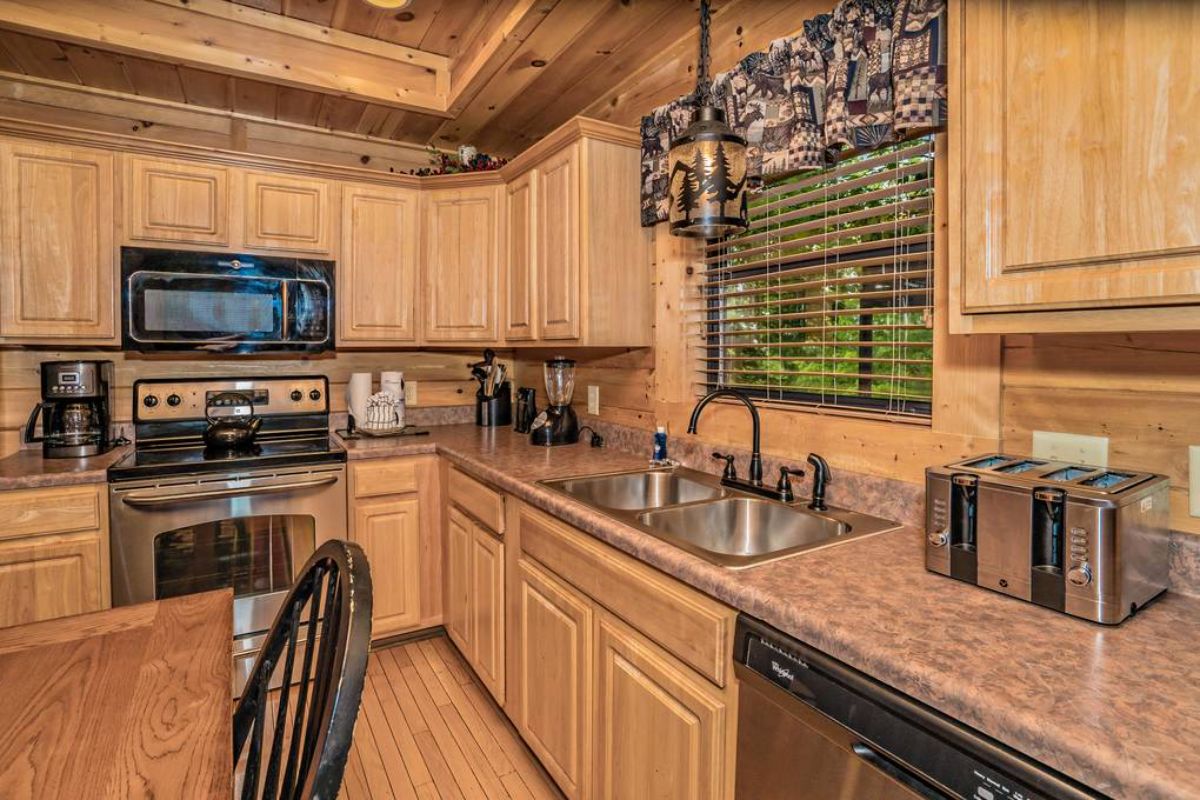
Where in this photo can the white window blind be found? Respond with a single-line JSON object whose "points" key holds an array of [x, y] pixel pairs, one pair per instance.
{"points": [[826, 300]]}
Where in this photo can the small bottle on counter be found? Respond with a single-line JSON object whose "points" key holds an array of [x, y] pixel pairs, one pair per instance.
{"points": [[660, 444]]}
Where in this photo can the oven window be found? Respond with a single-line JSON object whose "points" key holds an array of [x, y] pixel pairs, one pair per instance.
{"points": [[251, 555]]}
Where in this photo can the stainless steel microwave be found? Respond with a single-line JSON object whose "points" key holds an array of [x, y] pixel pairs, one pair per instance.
{"points": [[179, 300]]}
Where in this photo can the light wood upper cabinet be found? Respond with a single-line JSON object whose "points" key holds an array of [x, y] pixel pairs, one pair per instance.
{"points": [[57, 257], [660, 728], [520, 274], [377, 272], [557, 233], [460, 270], [1075, 175], [389, 532], [553, 642], [176, 201], [53, 553], [284, 212]]}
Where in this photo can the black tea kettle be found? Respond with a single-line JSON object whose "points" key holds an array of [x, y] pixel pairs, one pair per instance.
{"points": [[234, 430]]}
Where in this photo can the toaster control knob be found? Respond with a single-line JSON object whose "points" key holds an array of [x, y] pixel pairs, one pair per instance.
{"points": [[297, 395], [174, 400], [1080, 576], [150, 401], [938, 538]]}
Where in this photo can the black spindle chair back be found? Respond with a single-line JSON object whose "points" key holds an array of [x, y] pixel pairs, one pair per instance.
{"points": [[313, 722]]}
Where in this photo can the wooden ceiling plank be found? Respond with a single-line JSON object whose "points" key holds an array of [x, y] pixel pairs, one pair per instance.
{"points": [[298, 106], [357, 17], [273, 6], [492, 49], [373, 119], [340, 113], [408, 26], [38, 56], [255, 98], [558, 30], [318, 12], [155, 79], [98, 68], [619, 40], [233, 46], [459, 21], [201, 88], [7, 62]]}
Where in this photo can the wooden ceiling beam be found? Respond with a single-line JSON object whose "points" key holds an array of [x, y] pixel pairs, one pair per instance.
{"points": [[492, 47], [245, 43]]}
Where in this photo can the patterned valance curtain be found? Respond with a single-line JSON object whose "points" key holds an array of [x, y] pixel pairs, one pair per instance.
{"points": [[870, 72]]}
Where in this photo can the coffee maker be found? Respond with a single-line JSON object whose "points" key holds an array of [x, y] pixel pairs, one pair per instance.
{"points": [[558, 423], [75, 409]]}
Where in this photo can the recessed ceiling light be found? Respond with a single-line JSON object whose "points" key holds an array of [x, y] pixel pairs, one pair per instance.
{"points": [[391, 4]]}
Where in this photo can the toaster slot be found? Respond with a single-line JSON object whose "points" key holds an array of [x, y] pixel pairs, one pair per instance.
{"points": [[1048, 548], [1068, 474], [1020, 467], [987, 462], [964, 520], [1109, 480]]}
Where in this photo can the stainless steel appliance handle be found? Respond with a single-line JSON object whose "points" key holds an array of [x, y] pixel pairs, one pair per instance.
{"points": [[897, 771], [147, 499]]}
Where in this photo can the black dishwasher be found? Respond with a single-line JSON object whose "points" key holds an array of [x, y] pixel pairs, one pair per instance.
{"points": [[812, 728]]}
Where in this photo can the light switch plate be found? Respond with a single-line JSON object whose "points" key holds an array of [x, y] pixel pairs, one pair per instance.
{"points": [[1194, 479], [593, 399], [411, 398], [1053, 445]]}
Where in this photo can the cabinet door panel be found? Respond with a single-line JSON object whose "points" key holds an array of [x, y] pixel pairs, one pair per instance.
{"points": [[174, 201], [458, 580], [1073, 171], [554, 668], [487, 610], [558, 236], [461, 265], [520, 266], [288, 213], [377, 273], [57, 258], [660, 727], [44, 577], [389, 532]]}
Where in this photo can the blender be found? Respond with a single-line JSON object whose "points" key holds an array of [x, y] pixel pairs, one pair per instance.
{"points": [[558, 423]]}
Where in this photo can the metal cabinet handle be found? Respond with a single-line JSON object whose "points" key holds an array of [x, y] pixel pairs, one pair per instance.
{"points": [[150, 500], [897, 772]]}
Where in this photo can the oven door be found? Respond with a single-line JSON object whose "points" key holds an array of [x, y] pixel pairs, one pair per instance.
{"points": [[253, 533]]}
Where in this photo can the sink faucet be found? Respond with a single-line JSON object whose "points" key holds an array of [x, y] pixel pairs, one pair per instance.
{"points": [[744, 399]]}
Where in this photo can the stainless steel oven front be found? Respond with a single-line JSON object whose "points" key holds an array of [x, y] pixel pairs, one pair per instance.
{"points": [[251, 532]]}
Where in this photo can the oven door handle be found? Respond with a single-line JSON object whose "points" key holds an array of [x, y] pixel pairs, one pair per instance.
{"points": [[147, 500]]}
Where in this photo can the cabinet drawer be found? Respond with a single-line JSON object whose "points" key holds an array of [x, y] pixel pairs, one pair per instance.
{"points": [[385, 476], [481, 502], [691, 626], [59, 510]]}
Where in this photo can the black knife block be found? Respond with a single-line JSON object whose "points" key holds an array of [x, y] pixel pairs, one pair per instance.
{"points": [[492, 412]]}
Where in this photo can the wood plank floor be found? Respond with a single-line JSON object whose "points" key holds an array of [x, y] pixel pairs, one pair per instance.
{"points": [[428, 729]]}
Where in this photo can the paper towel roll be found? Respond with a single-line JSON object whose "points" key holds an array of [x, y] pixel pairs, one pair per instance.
{"points": [[358, 391], [392, 383]]}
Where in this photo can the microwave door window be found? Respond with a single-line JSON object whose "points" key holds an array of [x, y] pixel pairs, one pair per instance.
{"points": [[197, 309]]}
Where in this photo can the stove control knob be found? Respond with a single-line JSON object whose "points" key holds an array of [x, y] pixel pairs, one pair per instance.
{"points": [[1080, 576], [297, 395], [174, 400], [938, 538], [314, 395], [150, 401]]}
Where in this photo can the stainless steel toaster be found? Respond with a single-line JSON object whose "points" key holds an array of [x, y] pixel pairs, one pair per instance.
{"points": [[1086, 541]]}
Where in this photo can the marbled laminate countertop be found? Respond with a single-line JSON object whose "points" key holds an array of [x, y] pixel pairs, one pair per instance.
{"points": [[26, 469], [1116, 708]]}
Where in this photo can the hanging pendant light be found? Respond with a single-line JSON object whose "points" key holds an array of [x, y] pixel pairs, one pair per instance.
{"points": [[707, 164]]}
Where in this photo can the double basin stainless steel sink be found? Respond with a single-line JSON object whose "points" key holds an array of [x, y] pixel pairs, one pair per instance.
{"points": [[723, 525]]}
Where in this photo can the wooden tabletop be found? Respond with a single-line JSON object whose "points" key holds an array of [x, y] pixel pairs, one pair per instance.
{"points": [[131, 702]]}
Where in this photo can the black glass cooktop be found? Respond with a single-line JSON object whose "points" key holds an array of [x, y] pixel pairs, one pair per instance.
{"points": [[195, 457]]}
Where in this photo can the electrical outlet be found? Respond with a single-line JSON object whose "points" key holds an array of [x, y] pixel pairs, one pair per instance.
{"points": [[1194, 479], [593, 399], [411, 398], [1057, 446]]}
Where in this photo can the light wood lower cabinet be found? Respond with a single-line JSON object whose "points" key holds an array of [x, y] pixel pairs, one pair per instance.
{"points": [[394, 515], [661, 730], [553, 647], [53, 553], [57, 256], [474, 598]]}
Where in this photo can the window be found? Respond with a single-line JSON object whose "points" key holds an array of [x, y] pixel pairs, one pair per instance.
{"points": [[826, 300]]}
